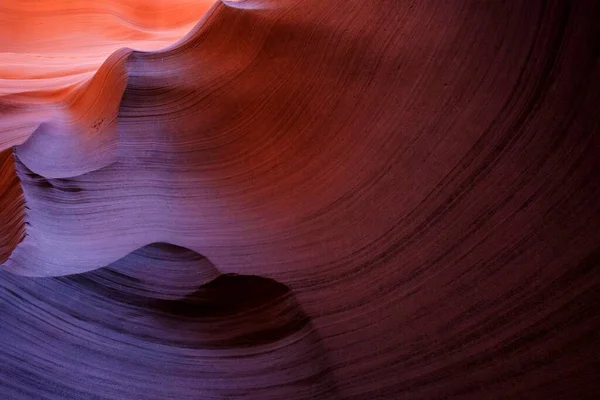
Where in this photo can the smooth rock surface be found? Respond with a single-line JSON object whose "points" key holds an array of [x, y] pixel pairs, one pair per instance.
{"points": [[308, 200]]}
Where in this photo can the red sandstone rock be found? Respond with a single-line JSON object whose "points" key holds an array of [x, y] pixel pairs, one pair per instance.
{"points": [[416, 183]]}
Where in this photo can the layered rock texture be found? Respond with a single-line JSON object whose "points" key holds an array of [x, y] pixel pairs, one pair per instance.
{"points": [[299, 199]]}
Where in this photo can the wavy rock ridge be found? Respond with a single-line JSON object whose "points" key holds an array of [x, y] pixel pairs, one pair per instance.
{"points": [[397, 199]]}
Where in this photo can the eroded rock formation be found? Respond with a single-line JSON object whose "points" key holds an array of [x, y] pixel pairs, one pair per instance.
{"points": [[398, 199]]}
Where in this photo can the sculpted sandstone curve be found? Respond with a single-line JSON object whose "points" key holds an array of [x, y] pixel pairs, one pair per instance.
{"points": [[414, 183]]}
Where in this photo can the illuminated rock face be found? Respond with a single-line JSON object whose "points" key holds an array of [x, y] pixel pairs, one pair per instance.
{"points": [[302, 199]]}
